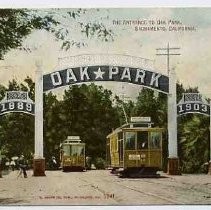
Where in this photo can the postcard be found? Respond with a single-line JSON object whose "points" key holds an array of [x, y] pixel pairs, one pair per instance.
{"points": [[105, 106]]}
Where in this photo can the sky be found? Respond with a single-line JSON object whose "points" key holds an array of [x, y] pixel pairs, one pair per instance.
{"points": [[192, 66]]}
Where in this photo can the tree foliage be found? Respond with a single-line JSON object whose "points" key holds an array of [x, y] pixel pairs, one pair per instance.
{"points": [[17, 24], [17, 129], [195, 144], [85, 111], [149, 104]]}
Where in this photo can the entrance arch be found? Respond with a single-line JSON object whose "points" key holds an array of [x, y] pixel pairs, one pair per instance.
{"points": [[104, 68]]}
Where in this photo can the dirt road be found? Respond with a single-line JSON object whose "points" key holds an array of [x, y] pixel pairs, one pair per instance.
{"points": [[101, 188]]}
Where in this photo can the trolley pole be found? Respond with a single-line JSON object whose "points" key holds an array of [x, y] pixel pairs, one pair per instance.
{"points": [[173, 160], [122, 104]]}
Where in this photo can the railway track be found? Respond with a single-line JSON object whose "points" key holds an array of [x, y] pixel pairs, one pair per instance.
{"points": [[170, 201], [185, 186], [170, 190], [124, 187]]}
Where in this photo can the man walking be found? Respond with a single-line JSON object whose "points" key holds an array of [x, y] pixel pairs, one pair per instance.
{"points": [[22, 164]]}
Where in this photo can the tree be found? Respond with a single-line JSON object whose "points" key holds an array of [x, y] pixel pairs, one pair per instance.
{"points": [[150, 105], [86, 111], [195, 144], [17, 129], [90, 114], [54, 127], [17, 24]]}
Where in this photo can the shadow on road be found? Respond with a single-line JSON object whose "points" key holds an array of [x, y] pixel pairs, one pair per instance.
{"points": [[143, 177], [8, 201]]}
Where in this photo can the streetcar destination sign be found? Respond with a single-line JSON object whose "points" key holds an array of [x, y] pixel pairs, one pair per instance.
{"points": [[193, 103], [140, 119], [76, 75], [17, 101]]}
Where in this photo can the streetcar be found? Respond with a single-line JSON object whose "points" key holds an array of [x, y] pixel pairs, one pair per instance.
{"points": [[72, 154], [135, 149]]}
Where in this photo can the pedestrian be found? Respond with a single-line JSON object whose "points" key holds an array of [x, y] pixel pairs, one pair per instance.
{"points": [[88, 162], [22, 165], [12, 164], [54, 162]]}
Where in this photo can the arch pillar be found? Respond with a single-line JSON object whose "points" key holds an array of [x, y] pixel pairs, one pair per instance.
{"points": [[39, 160], [173, 160]]}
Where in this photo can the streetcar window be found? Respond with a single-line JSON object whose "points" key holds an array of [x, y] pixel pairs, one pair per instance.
{"points": [[66, 149], [142, 140], [77, 150], [155, 140], [130, 140]]}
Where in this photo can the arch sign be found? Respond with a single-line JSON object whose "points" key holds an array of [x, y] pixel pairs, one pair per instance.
{"points": [[193, 103], [71, 76], [17, 101]]}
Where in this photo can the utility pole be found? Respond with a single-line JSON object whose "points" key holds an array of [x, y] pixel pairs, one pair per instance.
{"points": [[173, 160], [168, 53]]}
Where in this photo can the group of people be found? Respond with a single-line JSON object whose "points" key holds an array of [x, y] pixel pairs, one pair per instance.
{"points": [[19, 163], [22, 164], [11, 164]]}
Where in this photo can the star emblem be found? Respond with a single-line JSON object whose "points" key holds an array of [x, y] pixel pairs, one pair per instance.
{"points": [[99, 74]]}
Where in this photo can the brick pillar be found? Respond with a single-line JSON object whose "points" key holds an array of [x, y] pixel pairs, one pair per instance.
{"points": [[173, 166], [39, 167]]}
